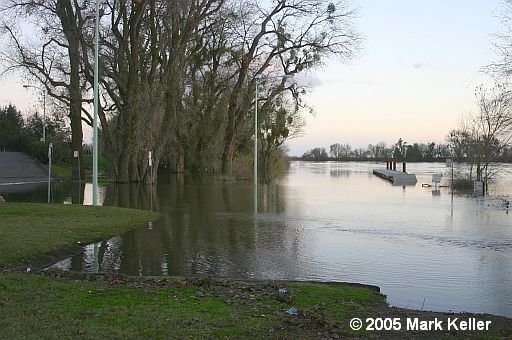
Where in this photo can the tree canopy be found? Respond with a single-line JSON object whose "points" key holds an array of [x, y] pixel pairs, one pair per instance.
{"points": [[178, 77]]}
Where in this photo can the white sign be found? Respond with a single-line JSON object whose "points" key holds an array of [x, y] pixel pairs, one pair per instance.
{"points": [[150, 159], [436, 178], [50, 148], [478, 188], [449, 163], [75, 154]]}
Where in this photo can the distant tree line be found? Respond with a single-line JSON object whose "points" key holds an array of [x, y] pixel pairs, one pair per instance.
{"points": [[417, 152], [462, 148]]}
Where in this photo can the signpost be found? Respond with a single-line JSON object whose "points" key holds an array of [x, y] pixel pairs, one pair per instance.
{"points": [[76, 155], [449, 164], [50, 151], [478, 188], [436, 178], [150, 160]]}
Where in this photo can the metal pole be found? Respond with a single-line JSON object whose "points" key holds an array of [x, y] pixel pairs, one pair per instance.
{"points": [[452, 179], [256, 145], [95, 120], [50, 146], [79, 181], [151, 178], [44, 115]]}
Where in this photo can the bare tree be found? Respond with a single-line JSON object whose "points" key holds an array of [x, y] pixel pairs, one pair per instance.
{"points": [[287, 37], [486, 134], [53, 58], [178, 77], [335, 150], [190, 25], [492, 127], [147, 53]]}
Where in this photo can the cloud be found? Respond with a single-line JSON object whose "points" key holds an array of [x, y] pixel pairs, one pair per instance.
{"points": [[418, 65], [308, 80], [311, 81]]}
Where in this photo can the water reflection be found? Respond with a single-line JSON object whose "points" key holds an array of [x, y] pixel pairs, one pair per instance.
{"points": [[38, 192], [130, 195], [340, 173], [442, 251], [61, 192]]}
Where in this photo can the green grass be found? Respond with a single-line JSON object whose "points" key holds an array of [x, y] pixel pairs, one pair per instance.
{"points": [[35, 231], [59, 305], [67, 305], [333, 300], [42, 306], [64, 171], [102, 163], [61, 170]]}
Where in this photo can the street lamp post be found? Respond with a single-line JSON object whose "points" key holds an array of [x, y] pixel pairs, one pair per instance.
{"points": [[255, 163], [43, 91], [50, 154], [44, 116], [257, 83], [95, 118]]}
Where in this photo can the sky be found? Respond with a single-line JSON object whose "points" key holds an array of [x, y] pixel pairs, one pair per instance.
{"points": [[414, 78]]}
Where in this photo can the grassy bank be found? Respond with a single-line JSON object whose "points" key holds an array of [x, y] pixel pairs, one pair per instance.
{"points": [[63, 307], [64, 169], [38, 232], [59, 304]]}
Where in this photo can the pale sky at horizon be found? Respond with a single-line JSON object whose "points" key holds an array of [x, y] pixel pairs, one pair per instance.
{"points": [[413, 79]]}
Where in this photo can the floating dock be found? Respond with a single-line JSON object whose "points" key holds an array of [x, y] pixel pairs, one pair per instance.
{"points": [[396, 177]]}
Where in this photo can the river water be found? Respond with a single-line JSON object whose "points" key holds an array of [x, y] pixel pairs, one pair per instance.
{"points": [[426, 248]]}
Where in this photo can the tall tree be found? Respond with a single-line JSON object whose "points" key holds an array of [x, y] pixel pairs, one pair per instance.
{"points": [[178, 77], [53, 58], [148, 48], [287, 37]]}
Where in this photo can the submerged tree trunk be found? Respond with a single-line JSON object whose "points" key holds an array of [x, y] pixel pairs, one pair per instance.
{"points": [[228, 154], [180, 165], [123, 171]]}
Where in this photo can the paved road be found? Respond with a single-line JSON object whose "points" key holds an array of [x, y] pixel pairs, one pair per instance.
{"points": [[17, 167]]}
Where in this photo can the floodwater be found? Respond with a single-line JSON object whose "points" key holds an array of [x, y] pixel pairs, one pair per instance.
{"points": [[425, 248]]}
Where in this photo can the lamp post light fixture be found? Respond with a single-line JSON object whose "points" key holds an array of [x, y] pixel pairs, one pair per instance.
{"points": [[258, 78], [43, 91]]}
